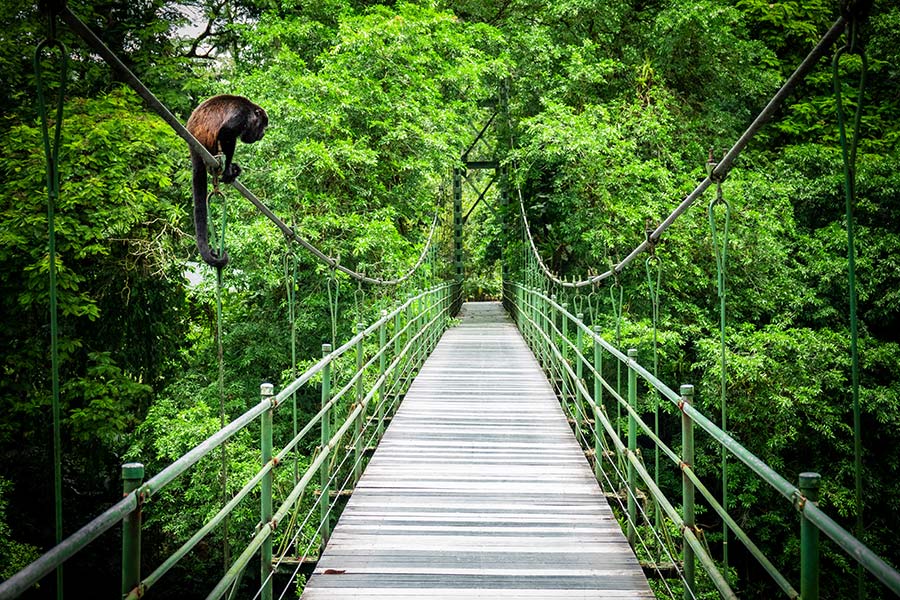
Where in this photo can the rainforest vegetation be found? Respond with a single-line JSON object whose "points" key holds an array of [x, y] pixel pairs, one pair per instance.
{"points": [[613, 111]]}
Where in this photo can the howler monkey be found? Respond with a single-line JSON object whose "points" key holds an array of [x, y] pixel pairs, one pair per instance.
{"points": [[217, 124]]}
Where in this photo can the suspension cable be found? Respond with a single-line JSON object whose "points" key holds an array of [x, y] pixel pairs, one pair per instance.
{"points": [[720, 251], [653, 286], [855, 12], [97, 45], [722, 169], [51, 155]]}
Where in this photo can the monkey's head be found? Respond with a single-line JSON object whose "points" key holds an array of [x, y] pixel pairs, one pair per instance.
{"points": [[257, 122]]}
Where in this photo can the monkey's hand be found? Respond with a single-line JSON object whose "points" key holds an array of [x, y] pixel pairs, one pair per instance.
{"points": [[231, 173]]}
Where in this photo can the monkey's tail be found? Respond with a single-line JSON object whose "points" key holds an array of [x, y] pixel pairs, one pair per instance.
{"points": [[200, 217]]}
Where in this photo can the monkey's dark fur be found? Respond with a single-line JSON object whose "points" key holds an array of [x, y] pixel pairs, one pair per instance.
{"points": [[217, 124]]}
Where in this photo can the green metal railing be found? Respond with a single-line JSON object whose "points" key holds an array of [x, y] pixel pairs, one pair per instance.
{"points": [[571, 364], [402, 339]]}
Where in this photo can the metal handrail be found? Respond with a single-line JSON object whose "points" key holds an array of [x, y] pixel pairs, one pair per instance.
{"points": [[435, 303], [531, 305]]}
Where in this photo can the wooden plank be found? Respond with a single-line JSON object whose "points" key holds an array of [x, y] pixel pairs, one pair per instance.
{"points": [[478, 489]]}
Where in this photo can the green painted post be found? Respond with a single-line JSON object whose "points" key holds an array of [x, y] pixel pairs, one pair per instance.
{"points": [[398, 326], [809, 540], [432, 330], [687, 488], [598, 401], [382, 361], [266, 391], [324, 471], [632, 446], [551, 331], [540, 316], [457, 224], [538, 312], [132, 478], [529, 311], [357, 443], [564, 352], [525, 310], [414, 328], [412, 322], [398, 346], [579, 373]]}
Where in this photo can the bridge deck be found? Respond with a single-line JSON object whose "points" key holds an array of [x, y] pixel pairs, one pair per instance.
{"points": [[478, 489]]}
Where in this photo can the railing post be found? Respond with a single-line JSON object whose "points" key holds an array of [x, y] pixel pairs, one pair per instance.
{"points": [[382, 359], [266, 391], [564, 353], [324, 471], [598, 402], [632, 446], [398, 346], [432, 329], [410, 321], [132, 478], [579, 373], [687, 488], [357, 442], [540, 325], [397, 329], [457, 225], [551, 336], [809, 540]]}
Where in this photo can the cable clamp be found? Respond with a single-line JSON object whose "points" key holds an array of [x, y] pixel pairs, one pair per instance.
{"points": [[711, 165], [651, 244]]}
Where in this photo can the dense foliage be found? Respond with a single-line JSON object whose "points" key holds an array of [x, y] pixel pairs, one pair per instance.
{"points": [[613, 108]]}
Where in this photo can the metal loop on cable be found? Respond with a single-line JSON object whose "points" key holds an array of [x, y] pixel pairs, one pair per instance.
{"points": [[359, 299], [220, 235], [616, 305], [593, 301], [578, 302], [720, 245], [51, 151], [333, 287], [653, 286]]}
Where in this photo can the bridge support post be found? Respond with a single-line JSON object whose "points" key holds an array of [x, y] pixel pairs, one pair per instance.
{"points": [[564, 353], [687, 489], [632, 448], [398, 346], [357, 442], [457, 230], [382, 359], [266, 391], [132, 478], [325, 472], [579, 373], [548, 314], [598, 403], [504, 235], [809, 540]]}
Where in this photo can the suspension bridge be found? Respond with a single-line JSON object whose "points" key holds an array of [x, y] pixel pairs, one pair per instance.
{"points": [[487, 450], [478, 488]]}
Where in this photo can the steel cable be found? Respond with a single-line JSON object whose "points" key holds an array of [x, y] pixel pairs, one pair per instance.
{"points": [[97, 45], [721, 170]]}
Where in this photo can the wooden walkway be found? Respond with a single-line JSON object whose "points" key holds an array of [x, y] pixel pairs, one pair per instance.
{"points": [[478, 489]]}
